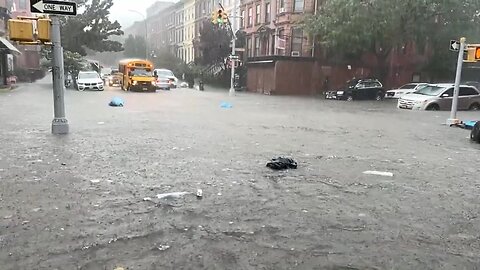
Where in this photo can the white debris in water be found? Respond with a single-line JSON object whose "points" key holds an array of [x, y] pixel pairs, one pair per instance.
{"points": [[147, 199], [389, 174], [163, 247], [95, 181], [199, 193], [101, 123], [172, 195]]}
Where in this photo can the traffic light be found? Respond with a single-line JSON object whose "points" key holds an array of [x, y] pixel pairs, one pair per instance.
{"points": [[44, 27], [224, 16], [473, 53], [477, 53], [220, 16], [21, 30], [214, 17]]}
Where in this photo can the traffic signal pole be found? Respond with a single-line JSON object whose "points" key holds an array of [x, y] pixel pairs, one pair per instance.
{"points": [[234, 38], [453, 113], [59, 123]]}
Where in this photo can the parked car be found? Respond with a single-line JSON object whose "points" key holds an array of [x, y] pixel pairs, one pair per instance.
{"points": [[104, 73], [474, 84], [114, 79], [435, 97], [89, 80], [165, 79], [359, 89], [404, 89]]}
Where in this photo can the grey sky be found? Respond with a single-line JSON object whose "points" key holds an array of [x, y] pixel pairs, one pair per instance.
{"points": [[120, 11]]}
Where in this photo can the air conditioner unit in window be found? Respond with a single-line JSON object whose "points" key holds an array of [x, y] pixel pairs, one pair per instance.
{"points": [[282, 10], [295, 53]]}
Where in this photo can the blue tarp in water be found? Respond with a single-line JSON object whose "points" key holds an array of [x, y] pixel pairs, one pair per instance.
{"points": [[116, 102], [226, 105], [469, 124]]}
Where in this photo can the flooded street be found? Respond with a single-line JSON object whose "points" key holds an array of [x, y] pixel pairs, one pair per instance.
{"points": [[88, 200]]}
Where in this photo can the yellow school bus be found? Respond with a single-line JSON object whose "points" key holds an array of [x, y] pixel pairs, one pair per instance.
{"points": [[137, 75]]}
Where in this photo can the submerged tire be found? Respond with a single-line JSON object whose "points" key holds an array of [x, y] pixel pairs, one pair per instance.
{"points": [[475, 133]]}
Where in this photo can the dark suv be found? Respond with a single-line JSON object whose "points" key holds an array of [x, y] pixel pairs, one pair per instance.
{"points": [[359, 89]]}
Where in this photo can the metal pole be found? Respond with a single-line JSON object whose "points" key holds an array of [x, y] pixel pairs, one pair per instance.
{"points": [[59, 123], [453, 113], [146, 39], [232, 61]]}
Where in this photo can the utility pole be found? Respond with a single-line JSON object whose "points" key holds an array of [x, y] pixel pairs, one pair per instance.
{"points": [[453, 113], [59, 123], [234, 38]]}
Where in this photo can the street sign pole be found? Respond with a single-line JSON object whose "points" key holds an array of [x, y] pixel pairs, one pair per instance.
{"points": [[453, 113], [59, 123], [232, 61]]}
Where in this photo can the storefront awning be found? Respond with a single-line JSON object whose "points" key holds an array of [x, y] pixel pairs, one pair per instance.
{"points": [[9, 46]]}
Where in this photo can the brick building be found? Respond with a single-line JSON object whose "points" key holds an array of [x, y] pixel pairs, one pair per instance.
{"points": [[281, 59]]}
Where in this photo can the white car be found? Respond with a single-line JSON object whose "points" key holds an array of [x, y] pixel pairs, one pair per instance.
{"points": [[165, 79], [89, 80], [434, 97], [405, 89]]}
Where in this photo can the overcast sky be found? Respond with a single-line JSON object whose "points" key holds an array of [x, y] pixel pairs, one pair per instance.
{"points": [[120, 10]]}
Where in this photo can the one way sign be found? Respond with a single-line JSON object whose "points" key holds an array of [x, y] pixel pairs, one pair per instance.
{"points": [[53, 7], [454, 45]]}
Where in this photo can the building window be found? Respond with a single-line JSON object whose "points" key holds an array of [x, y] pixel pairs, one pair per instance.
{"points": [[297, 39], [22, 4], [257, 46], [298, 5], [281, 6], [250, 16], [267, 12], [249, 47], [280, 42], [242, 19], [257, 14]]}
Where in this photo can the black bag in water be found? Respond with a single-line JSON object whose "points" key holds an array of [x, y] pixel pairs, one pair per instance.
{"points": [[282, 163]]}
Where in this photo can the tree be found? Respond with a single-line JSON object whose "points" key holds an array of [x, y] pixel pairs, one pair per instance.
{"points": [[214, 43], [350, 28], [134, 47], [91, 29]]}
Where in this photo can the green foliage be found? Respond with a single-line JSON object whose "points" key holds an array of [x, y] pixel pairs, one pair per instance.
{"points": [[73, 62], [352, 27], [91, 29], [214, 43], [163, 58], [134, 47]]}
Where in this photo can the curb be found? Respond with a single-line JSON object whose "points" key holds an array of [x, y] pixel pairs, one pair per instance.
{"points": [[9, 89]]}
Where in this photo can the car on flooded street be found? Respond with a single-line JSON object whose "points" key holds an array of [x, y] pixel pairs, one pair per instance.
{"points": [[404, 89], [359, 89], [434, 97], [89, 80], [165, 79]]}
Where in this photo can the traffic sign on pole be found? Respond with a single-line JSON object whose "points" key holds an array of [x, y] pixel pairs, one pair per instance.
{"points": [[454, 45], [53, 7], [453, 113]]}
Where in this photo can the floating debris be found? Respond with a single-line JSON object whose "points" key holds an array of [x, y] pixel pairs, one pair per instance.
{"points": [[389, 174]]}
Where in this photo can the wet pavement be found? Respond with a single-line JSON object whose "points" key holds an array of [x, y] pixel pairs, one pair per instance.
{"points": [[89, 200]]}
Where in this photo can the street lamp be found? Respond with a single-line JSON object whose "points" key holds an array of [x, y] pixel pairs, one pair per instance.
{"points": [[146, 31]]}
